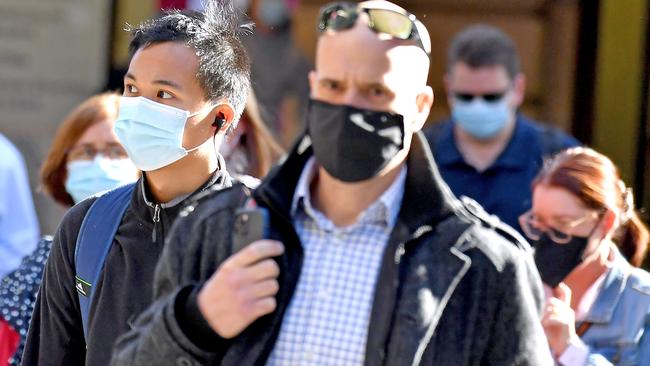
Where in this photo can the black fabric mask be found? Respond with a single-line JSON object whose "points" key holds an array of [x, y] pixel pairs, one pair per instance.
{"points": [[353, 144], [555, 261]]}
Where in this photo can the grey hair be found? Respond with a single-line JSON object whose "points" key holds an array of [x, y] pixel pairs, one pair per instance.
{"points": [[224, 66]]}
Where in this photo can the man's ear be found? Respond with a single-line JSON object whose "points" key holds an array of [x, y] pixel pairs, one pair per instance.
{"points": [[222, 116], [313, 81], [519, 90], [423, 101]]}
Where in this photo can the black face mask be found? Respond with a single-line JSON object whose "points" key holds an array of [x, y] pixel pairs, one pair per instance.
{"points": [[353, 144], [555, 261]]}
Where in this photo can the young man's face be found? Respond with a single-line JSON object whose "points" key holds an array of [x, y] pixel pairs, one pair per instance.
{"points": [[166, 73]]}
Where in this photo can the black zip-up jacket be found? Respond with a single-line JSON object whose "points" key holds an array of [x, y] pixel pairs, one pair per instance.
{"points": [[123, 290], [451, 290]]}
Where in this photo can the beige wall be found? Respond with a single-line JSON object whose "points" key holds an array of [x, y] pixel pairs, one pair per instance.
{"points": [[53, 54]]}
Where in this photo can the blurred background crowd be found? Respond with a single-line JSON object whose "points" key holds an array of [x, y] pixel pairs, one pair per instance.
{"points": [[586, 63]]}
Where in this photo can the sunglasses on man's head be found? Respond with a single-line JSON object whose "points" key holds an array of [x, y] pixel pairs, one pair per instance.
{"points": [[489, 97], [398, 24]]}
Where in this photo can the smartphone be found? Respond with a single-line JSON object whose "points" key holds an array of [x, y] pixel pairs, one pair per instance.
{"points": [[251, 224]]}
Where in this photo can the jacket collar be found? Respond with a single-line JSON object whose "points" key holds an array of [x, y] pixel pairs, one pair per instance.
{"points": [[426, 204], [144, 206], [427, 199], [611, 290]]}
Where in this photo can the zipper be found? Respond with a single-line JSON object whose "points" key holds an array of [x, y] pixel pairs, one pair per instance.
{"points": [[156, 220]]}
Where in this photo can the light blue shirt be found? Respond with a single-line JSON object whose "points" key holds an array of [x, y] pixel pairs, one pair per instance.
{"points": [[19, 231], [620, 317], [327, 320]]}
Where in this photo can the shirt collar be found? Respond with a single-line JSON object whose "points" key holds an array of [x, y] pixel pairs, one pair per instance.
{"points": [[220, 177], [302, 189], [385, 209]]}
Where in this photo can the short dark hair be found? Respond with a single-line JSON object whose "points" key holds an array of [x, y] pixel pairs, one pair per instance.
{"points": [[483, 45], [224, 66]]}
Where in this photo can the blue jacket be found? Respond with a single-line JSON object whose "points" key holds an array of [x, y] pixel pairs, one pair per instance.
{"points": [[620, 334]]}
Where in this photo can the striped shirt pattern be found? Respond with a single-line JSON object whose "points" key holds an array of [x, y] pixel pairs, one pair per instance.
{"points": [[327, 320]]}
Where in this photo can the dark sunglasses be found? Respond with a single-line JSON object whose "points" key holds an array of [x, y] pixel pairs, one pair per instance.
{"points": [[398, 24], [490, 97]]}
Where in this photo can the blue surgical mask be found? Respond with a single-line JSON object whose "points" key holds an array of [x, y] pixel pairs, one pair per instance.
{"points": [[89, 177], [151, 133], [479, 118]]}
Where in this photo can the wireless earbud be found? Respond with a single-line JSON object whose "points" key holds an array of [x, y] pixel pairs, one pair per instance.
{"points": [[219, 122]]}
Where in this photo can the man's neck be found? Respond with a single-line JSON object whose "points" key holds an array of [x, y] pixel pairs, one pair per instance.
{"points": [[182, 177], [481, 154], [342, 202]]}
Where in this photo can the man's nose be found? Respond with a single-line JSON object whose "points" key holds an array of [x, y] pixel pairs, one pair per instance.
{"points": [[353, 97]]}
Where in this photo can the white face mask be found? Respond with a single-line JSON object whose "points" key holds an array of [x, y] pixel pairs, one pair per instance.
{"points": [[152, 133]]}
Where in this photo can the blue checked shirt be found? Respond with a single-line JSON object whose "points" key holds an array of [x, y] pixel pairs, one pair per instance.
{"points": [[327, 320]]}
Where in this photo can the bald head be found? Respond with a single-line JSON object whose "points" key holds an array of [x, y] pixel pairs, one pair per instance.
{"points": [[366, 69], [361, 38]]}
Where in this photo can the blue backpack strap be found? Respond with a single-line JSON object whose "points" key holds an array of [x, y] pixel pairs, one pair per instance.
{"points": [[94, 241]]}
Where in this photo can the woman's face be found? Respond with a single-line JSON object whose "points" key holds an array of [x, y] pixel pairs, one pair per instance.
{"points": [[97, 139], [557, 208], [97, 162]]}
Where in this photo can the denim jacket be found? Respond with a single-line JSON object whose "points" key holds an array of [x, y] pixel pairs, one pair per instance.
{"points": [[620, 317]]}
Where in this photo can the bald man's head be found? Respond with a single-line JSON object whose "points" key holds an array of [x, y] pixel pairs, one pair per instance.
{"points": [[367, 69]]}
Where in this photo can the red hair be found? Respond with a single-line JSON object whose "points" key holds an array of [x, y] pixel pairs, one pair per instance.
{"points": [[595, 180], [95, 109]]}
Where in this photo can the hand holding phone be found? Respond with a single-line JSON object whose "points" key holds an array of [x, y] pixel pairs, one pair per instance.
{"points": [[245, 285]]}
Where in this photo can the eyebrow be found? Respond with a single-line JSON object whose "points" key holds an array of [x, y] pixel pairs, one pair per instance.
{"points": [[159, 81], [168, 83], [564, 218], [328, 80]]}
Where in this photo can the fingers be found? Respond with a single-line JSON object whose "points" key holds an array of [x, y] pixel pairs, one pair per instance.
{"points": [[557, 303], [563, 292], [557, 312], [552, 320], [266, 269], [264, 306], [255, 252], [264, 289], [242, 289]]}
